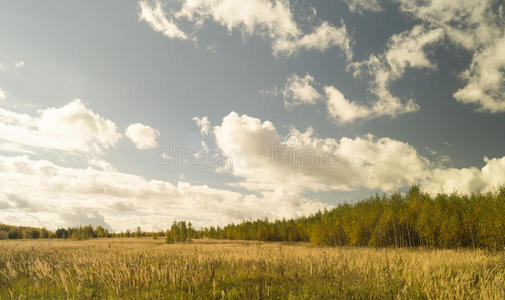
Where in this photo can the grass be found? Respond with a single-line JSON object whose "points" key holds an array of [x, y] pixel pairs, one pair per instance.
{"points": [[207, 269]]}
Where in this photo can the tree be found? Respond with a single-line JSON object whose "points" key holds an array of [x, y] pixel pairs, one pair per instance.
{"points": [[14, 233], [139, 232], [44, 233], [61, 233]]}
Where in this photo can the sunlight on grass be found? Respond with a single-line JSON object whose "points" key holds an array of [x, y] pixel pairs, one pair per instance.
{"points": [[148, 268]]}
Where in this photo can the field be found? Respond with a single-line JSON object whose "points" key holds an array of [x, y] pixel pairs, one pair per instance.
{"points": [[209, 269]]}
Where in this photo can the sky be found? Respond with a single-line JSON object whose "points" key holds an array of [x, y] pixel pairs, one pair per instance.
{"points": [[138, 113]]}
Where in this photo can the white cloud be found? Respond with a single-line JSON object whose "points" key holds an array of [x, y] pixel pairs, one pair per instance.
{"points": [[467, 22], [407, 49], [255, 151], [323, 37], [485, 79], [478, 27], [359, 6], [343, 110], [270, 19], [41, 193], [300, 90], [73, 128], [2, 94], [203, 123], [404, 50], [156, 18], [450, 180], [466, 180], [143, 136], [278, 170]]}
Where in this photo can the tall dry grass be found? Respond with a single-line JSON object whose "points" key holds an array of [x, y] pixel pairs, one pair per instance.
{"points": [[146, 268]]}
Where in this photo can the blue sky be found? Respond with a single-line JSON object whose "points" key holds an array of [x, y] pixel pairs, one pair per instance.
{"points": [[358, 96]]}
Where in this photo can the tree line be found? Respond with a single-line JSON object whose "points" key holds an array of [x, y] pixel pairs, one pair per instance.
{"points": [[78, 232], [412, 219], [24, 232], [179, 232]]}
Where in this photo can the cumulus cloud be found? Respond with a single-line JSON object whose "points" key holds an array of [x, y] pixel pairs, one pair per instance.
{"points": [[72, 196], [270, 19], [73, 128], [300, 90], [203, 123], [156, 18], [143, 136], [277, 170], [466, 180], [256, 152]]}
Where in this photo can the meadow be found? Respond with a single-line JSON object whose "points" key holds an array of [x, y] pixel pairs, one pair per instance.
{"points": [[210, 269]]}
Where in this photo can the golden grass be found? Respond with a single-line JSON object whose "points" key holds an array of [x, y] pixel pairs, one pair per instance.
{"points": [[147, 268]]}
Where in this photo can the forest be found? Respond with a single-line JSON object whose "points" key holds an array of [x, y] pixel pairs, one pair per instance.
{"points": [[412, 219]]}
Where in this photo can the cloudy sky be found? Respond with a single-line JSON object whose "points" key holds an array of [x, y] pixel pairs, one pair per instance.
{"points": [[125, 113]]}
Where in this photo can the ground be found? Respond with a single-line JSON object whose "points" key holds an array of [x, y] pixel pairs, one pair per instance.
{"points": [[209, 269]]}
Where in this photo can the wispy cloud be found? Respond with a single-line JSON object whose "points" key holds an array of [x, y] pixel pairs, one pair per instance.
{"points": [[272, 20]]}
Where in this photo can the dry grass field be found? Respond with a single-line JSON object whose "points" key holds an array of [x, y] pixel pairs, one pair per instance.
{"points": [[207, 269]]}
